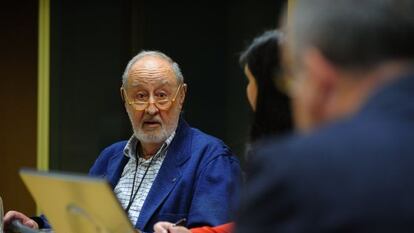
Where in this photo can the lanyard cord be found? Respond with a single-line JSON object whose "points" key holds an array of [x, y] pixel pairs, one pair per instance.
{"points": [[133, 195]]}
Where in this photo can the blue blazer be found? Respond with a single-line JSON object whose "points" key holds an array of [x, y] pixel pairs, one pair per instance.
{"points": [[355, 176], [199, 180]]}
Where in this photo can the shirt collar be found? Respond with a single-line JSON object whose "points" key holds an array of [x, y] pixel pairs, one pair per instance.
{"points": [[130, 147]]}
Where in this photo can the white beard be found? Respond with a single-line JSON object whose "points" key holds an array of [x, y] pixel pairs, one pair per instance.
{"points": [[158, 136], [153, 138]]}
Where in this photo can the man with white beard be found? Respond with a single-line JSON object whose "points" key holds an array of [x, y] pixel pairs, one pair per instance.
{"points": [[167, 170]]}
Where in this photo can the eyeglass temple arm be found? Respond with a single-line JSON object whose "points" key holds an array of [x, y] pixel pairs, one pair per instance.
{"points": [[176, 93]]}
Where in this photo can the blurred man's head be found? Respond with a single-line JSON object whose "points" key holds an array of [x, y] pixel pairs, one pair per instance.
{"points": [[340, 51]]}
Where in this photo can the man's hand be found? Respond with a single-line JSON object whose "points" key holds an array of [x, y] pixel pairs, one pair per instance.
{"points": [[14, 215], [167, 227]]}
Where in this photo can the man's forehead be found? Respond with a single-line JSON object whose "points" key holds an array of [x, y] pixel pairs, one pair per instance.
{"points": [[151, 70], [141, 82]]}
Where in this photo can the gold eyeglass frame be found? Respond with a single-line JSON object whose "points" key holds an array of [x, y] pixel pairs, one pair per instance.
{"points": [[135, 103]]}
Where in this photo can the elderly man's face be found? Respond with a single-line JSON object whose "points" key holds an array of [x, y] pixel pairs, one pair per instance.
{"points": [[153, 77]]}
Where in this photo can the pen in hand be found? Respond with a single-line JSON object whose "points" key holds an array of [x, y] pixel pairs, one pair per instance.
{"points": [[179, 222]]}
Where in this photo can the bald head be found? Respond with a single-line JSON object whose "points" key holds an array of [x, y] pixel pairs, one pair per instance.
{"points": [[154, 58]]}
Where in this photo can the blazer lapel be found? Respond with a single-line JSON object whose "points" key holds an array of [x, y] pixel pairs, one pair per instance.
{"points": [[115, 168], [166, 179], [168, 175]]}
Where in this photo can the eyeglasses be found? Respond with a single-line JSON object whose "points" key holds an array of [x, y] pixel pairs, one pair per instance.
{"points": [[141, 101]]}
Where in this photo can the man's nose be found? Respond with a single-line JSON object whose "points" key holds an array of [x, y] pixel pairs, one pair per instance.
{"points": [[151, 108]]}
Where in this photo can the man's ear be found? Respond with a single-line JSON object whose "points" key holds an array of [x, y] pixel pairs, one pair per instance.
{"points": [[182, 96], [322, 84], [322, 71], [121, 91]]}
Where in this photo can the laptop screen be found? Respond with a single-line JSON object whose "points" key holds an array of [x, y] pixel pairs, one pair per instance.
{"points": [[76, 203]]}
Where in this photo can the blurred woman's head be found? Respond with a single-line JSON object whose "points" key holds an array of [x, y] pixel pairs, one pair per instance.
{"points": [[261, 65]]}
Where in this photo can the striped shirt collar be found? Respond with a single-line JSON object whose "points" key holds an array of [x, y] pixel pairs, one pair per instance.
{"points": [[130, 147]]}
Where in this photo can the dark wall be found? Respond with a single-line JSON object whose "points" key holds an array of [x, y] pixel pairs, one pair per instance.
{"points": [[89, 50], [18, 100], [93, 41]]}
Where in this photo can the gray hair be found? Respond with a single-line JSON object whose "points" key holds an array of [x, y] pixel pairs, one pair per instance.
{"points": [[353, 33], [175, 67]]}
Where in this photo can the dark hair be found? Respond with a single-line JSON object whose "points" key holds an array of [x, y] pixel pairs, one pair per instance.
{"points": [[354, 33], [273, 113]]}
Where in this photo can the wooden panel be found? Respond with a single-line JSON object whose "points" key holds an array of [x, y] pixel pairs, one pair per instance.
{"points": [[18, 96]]}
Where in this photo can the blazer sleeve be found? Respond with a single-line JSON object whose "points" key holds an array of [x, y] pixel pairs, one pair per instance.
{"points": [[223, 175], [101, 163], [224, 228]]}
